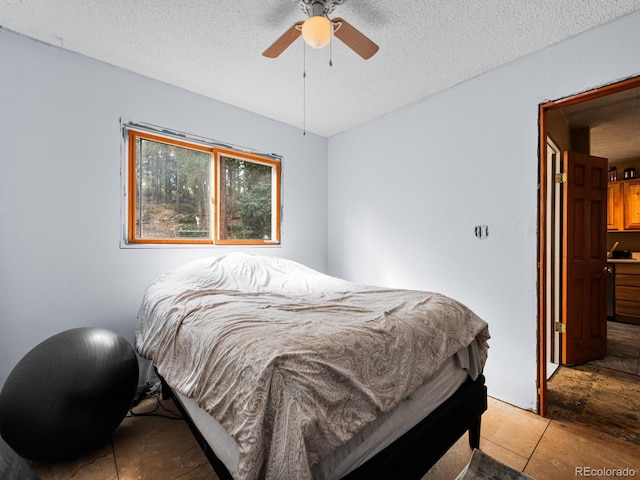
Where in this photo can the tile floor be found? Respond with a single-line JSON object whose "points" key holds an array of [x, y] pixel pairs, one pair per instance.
{"points": [[156, 448]]}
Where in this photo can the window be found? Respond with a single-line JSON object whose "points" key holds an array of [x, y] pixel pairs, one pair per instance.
{"points": [[189, 192]]}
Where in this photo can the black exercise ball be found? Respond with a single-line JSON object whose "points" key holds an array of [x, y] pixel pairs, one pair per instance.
{"points": [[68, 394]]}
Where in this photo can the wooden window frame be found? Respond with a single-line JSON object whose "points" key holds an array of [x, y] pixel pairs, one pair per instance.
{"points": [[215, 194], [275, 201]]}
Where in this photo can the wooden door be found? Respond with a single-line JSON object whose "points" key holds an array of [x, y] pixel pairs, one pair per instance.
{"points": [[632, 205], [584, 310]]}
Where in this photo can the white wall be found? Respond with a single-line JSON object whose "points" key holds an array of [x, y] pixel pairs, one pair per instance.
{"points": [[61, 265], [407, 190]]}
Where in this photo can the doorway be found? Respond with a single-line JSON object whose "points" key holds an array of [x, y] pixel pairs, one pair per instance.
{"points": [[553, 140]]}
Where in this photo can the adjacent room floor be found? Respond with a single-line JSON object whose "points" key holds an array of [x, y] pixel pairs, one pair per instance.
{"points": [[603, 394], [587, 430]]}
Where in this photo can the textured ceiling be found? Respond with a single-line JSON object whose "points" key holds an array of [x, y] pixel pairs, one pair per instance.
{"points": [[213, 47]]}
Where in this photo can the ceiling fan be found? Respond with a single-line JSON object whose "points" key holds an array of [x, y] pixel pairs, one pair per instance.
{"points": [[318, 28]]}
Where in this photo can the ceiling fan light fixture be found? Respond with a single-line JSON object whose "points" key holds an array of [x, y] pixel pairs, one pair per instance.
{"points": [[316, 31]]}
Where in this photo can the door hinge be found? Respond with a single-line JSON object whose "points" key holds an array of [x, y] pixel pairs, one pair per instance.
{"points": [[561, 177], [560, 327]]}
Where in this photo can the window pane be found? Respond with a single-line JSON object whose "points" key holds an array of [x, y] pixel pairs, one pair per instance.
{"points": [[172, 195], [246, 200]]}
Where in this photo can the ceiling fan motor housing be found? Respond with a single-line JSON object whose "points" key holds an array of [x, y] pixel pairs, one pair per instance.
{"points": [[319, 8]]}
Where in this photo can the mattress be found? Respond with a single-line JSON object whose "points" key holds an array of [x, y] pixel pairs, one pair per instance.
{"points": [[370, 440]]}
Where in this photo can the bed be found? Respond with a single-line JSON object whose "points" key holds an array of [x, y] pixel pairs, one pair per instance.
{"points": [[286, 373]]}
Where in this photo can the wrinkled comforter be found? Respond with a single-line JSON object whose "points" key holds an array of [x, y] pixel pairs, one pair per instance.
{"points": [[290, 361]]}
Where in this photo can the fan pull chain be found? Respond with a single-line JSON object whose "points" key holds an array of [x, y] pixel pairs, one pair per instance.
{"points": [[331, 44], [304, 88]]}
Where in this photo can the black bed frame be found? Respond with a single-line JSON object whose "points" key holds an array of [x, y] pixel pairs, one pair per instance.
{"points": [[416, 451]]}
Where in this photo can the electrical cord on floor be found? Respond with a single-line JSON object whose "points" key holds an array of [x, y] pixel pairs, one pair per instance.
{"points": [[152, 391]]}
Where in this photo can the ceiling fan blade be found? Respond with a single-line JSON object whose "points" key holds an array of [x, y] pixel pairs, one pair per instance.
{"points": [[354, 38], [286, 39]]}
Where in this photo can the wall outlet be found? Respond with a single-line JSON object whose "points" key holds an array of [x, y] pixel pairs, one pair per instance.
{"points": [[482, 231]]}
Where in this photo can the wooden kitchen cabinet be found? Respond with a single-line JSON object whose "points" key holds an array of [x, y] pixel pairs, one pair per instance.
{"points": [[623, 206], [631, 195], [615, 207], [627, 291]]}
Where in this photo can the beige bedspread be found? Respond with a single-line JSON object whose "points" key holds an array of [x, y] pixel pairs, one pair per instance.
{"points": [[292, 362]]}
